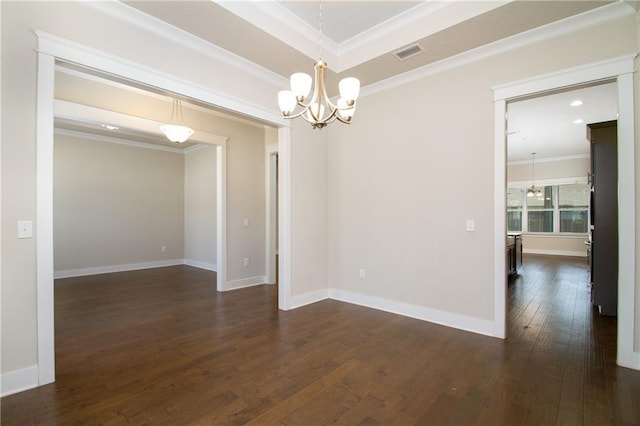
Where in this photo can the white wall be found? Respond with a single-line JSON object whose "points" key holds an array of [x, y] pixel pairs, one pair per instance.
{"points": [[200, 207], [115, 205], [309, 245], [245, 201], [403, 181]]}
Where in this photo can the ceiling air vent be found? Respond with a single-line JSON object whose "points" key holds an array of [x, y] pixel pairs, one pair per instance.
{"points": [[408, 52]]}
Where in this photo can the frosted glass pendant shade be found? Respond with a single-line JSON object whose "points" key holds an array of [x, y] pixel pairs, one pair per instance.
{"points": [[286, 101], [301, 85], [349, 88], [344, 110], [176, 133]]}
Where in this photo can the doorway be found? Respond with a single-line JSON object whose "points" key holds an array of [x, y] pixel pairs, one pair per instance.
{"points": [[52, 49], [619, 70]]}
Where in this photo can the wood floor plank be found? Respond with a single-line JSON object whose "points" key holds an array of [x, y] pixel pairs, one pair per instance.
{"points": [[162, 347]]}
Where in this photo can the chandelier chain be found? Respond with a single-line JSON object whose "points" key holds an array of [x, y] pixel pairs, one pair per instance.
{"points": [[320, 30]]}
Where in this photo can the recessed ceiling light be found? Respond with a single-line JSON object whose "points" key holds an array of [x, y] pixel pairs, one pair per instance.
{"points": [[109, 127], [577, 102], [578, 121]]}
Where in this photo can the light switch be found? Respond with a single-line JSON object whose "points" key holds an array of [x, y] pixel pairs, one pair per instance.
{"points": [[246, 222], [471, 225], [25, 229]]}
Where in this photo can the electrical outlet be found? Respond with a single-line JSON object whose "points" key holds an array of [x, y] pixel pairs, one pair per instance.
{"points": [[362, 274], [246, 261], [163, 248]]}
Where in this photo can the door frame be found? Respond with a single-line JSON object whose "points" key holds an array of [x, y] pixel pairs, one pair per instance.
{"points": [[271, 210], [621, 71], [52, 48]]}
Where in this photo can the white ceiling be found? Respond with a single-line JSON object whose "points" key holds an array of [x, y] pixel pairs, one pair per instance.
{"points": [[359, 38], [546, 125], [344, 20]]}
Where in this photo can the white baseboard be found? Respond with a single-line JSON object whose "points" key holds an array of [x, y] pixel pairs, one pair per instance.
{"points": [[308, 298], [116, 268], [19, 380], [448, 319], [555, 252], [202, 265], [244, 282]]}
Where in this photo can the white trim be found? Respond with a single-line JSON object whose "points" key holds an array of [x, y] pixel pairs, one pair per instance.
{"points": [[83, 272], [176, 35], [550, 160], [549, 182], [270, 179], [88, 114], [284, 216], [118, 141], [525, 250], [619, 69], [627, 356], [19, 380], [308, 298], [244, 282], [202, 265], [500, 220], [566, 236], [44, 219], [221, 216], [597, 16], [449, 319], [604, 70], [73, 52], [51, 47]]}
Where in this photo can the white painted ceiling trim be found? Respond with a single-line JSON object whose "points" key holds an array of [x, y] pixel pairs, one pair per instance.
{"points": [[89, 114], [118, 141], [418, 22], [584, 20], [551, 159], [549, 182], [286, 26], [165, 30], [67, 50]]}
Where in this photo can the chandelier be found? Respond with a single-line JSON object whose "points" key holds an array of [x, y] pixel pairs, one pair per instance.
{"points": [[176, 131], [318, 110], [533, 191]]}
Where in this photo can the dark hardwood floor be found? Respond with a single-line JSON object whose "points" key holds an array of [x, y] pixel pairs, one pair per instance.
{"points": [[161, 347]]}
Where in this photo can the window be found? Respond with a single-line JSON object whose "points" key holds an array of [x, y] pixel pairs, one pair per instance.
{"points": [[573, 204], [555, 209], [515, 204], [540, 210]]}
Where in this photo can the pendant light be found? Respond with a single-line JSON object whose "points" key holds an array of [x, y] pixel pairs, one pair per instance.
{"points": [[176, 131], [533, 191]]}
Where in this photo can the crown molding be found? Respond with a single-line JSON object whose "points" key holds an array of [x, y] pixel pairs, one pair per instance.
{"points": [[550, 159], [73, 52], [286, 26], [165, 30], [575, 23], [418, 22], [88, 114], [116, 140], [421, 21]]}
